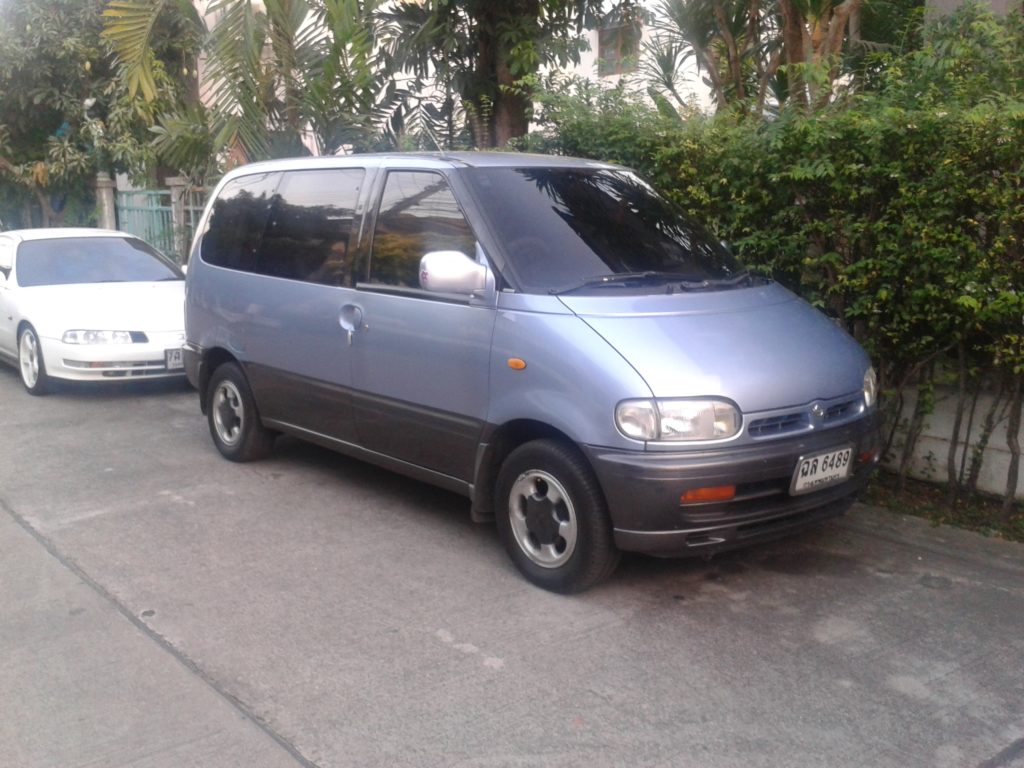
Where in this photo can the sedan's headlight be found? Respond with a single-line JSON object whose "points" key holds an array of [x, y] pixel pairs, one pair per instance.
{"points": [[870, 386], [677, 419], [97, 337]]}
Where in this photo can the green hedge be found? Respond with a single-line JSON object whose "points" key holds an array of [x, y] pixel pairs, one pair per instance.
{"points": [[905, 222]]}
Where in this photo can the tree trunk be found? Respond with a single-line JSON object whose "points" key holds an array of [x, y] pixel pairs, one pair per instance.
{"points": [[732, 52], [1013, 443], [793, 42], [511, 109], [988, 426], [922, 408], [503, 112], [953, 486]]}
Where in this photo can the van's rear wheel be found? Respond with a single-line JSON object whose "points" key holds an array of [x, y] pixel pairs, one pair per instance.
{"points": [[231, 413], [552, 517]]}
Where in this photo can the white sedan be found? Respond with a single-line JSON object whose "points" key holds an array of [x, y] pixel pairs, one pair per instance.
{"points": [[88, 304]]}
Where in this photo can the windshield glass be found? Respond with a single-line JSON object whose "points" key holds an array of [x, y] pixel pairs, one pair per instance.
{"points": [[565, 229], [70, 260]]}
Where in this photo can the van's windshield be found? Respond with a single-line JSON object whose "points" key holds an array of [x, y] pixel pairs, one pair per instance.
{"points": [[568, 230]]}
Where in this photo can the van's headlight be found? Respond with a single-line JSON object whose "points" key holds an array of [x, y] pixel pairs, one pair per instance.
{"points": [[870, 386], [97, 337], [677, 419]]}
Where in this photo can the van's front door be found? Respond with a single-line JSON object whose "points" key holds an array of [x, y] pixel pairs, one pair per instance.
{"points": [[420, 360]]}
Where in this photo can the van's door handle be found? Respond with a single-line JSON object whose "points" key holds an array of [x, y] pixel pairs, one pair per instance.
{"points": [[351, 320]]}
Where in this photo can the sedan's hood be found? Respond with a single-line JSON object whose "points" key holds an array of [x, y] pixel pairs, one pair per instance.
{"points": [[152, 307], [761, 347]]}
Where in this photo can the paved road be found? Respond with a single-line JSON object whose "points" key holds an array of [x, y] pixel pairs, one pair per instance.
{"points": [[162, 607]]}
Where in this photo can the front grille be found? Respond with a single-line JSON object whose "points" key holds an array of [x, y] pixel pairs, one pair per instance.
{"points": [[779, 425], [801, 421], [842, 410]]}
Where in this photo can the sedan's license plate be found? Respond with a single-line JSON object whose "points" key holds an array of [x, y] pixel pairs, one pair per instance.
{"points": [[821, 469], [173, 359]]}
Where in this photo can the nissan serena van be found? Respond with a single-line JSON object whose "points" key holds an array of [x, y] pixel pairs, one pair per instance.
{"points": [[548, 336]]}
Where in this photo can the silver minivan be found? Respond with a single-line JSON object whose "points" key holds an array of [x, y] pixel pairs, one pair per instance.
{"points": [[546, 335]]}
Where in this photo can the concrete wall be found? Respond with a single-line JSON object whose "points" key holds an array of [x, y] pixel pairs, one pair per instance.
{"points": [[930, 457]]}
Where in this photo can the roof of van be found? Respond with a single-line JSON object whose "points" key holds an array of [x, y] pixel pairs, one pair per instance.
{"points": [[431, 160]]}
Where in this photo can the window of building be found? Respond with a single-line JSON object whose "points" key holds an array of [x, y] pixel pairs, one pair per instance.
{"points": [[618, 44]]}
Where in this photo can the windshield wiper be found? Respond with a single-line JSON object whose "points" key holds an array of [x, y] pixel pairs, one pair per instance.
{"points": [[672, 279], [716, 282], [623, 278]]}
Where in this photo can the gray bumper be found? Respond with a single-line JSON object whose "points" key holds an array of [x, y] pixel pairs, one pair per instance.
{"points": [[643, 491]]}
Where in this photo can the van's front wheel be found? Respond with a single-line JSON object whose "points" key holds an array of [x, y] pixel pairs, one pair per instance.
{"points": [[552, 517], [231, 412]]}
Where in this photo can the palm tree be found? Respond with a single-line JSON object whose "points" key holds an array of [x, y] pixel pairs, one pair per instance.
{"points": [[274, 72]]}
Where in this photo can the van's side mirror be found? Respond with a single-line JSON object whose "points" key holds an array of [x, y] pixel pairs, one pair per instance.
{"points": [[451, 272]]}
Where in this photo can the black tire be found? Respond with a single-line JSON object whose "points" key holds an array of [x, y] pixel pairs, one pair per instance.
{"points": [[31, 365], [234, 421], [552, 517]]}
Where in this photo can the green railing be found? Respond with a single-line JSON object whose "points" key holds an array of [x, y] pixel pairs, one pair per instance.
{"points": [[149, 214]]}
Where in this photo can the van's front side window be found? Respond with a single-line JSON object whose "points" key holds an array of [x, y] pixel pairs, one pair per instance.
{"points": [[418, 214]]}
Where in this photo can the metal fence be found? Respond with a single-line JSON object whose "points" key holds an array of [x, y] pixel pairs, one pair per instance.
{"points": [[151, 215]]}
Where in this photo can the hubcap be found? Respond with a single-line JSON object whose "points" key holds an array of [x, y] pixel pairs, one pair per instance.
{"points": [[543, 519], [227, 412], [29, 357]]}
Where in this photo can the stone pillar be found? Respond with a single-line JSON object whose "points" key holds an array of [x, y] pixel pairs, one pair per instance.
{"points": [[179, 186], [105, 201]]}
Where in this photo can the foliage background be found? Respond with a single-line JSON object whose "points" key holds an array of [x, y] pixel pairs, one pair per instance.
{"points": [[898, 209]]}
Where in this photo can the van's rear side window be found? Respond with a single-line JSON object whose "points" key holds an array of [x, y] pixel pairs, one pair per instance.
{"points": [[295, 225], [310, 224], [237, 222]]}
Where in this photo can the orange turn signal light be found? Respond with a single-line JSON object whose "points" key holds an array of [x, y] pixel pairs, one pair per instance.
{"points": [[711, 493], [516, 364]]}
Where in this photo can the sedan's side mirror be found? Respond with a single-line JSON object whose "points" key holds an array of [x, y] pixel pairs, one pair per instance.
{"points": [[451, 272], [3, 278]]}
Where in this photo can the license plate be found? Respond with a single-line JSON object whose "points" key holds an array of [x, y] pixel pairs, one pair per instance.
{"points": [[821, 469], [173, 359]]}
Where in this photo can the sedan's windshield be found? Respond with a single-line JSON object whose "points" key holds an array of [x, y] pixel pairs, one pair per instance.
{"points": [[70, 260], [581, 229]]}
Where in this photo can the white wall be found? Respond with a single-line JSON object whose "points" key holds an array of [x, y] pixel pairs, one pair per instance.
{"points": [[935, 439]]}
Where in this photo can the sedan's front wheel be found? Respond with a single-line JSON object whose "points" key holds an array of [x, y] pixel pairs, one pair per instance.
{"points": [[30, 362], [234, 422]]}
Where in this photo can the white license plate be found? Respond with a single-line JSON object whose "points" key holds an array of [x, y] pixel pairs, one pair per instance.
{"points": [[822, 469], [173, 359]]}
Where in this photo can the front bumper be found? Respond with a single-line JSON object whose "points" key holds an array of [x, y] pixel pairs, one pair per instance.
{"points": [[643, 491], [104, 362]]}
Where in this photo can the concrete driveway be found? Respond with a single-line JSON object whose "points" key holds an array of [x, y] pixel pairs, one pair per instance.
{"points": [[164, 607]]}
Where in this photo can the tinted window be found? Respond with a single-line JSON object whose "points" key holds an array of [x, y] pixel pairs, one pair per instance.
{"points": [[70, 260], [559, 227], [237, 222], [418, 214], [308, 230]]}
